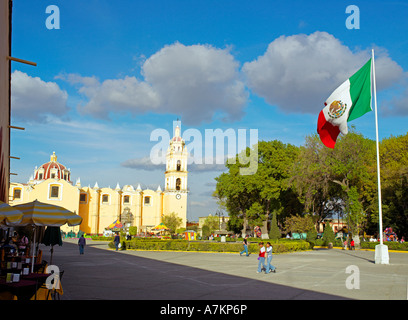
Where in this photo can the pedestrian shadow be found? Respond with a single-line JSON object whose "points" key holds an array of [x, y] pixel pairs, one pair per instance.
{"points": [[355, 255]]}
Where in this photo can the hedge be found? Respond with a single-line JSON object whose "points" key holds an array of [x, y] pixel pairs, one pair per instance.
{"points": [[391, 245], [101, 238], [184, 245], [321, 243]]}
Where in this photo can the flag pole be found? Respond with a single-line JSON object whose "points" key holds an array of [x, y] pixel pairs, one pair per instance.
{"points": [[381, 250], [378, 152]]}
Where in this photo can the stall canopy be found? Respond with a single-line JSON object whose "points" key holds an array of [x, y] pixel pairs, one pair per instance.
{"points": [[115, 225], [160, 227], [41, 214], [9, 215]]}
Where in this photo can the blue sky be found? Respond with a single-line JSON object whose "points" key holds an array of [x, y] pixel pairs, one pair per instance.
{"points": [[117, 70]]}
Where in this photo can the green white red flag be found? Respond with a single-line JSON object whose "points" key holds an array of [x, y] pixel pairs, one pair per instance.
{"points": [[351, 100]]}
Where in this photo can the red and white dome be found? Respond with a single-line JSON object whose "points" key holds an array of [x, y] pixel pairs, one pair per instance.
{"points": [[52, 170]]}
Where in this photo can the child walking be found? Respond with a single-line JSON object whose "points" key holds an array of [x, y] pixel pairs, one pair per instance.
{"points": [[269, 266], [261, 258]]}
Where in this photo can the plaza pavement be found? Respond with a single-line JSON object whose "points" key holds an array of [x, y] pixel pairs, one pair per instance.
{"points": [[103, 273]]}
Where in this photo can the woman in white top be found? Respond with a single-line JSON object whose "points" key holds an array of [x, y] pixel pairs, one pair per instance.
{"points": [[269, 267]]}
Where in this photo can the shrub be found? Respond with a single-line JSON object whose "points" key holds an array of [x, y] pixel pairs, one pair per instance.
{"points": [[184, 245], [391, 245], [336, 243], [274, 233], [101, 238], [328, 235], [206, 231], [311, 237]]}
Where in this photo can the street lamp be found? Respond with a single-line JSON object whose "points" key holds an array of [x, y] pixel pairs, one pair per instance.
{"points": [[219, 213]]}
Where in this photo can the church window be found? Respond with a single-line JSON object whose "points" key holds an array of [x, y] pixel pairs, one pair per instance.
{"points": [[16, 194], [40, 176], [105, 198], [178, 165], [82, 197], [178, 184], [147, 200], [126, 199], [52, 175], [54, 192]]}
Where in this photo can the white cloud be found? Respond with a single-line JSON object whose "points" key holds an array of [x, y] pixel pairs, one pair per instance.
{"points": [[113, 95], [297, 73], [197, 82], [144, 163], [33, 99]]}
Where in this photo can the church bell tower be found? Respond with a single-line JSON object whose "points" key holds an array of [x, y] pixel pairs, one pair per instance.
{"points": [[176, 176]]}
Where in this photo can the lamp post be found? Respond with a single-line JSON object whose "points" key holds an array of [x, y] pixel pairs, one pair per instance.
{"points": [[219, 213]]}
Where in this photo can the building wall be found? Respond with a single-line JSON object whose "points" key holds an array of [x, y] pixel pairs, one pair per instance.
{"points": [[98, 212], [151, 208], [100, 207], [177, 205], [68, 196], [5, 50], [84, 210]]}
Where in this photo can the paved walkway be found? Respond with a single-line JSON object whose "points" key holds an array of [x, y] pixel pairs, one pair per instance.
{"points": [[102, 273]]}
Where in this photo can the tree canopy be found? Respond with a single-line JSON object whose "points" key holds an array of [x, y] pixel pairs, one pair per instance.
{"points": [[319, 182]]}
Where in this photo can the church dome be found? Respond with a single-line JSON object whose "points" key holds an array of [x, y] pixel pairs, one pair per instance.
{"points": [[52, 170]]}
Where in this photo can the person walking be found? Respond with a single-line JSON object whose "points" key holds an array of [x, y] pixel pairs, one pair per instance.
{"points": [[116, 240], [269, 266], [245, 242], [261, 258], [81, 244]]}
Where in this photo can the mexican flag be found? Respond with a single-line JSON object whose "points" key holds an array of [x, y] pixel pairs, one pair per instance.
{"points": [[348, 102]]}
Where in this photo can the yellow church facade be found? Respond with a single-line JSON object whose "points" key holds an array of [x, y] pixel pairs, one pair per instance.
{"points": [[100, 207]]}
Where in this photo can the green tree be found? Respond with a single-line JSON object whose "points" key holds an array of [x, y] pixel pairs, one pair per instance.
{"points": [[205, 231], [311, 178], [394, 183], [311, 236], [355, 213], [328, 234], [133, 230], [212, 222], [252, 198], [172, 221], [298, 224], [323, 177], [274, 232], [234, 224]]}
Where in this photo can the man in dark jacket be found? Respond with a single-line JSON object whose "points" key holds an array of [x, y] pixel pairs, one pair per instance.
{"points": [[116, 240], [81, 244]]}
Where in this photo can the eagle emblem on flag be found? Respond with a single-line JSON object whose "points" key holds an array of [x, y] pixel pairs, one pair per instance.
{"points": [[337, 109]]}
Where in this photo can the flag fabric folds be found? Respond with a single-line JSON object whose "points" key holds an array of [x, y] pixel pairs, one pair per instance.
{"points": [[351, 100]]}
